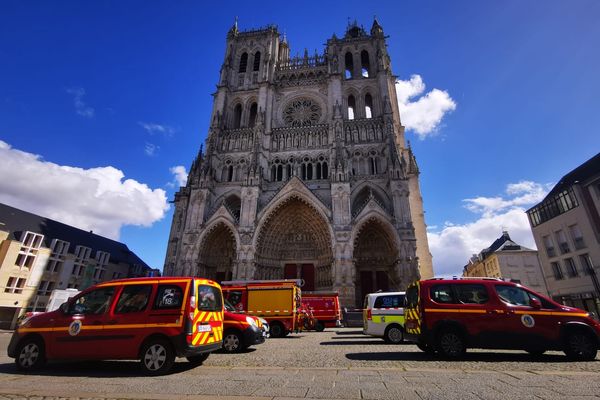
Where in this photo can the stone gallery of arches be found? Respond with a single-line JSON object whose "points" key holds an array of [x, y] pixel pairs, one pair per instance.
{"points": [[306, 173]]}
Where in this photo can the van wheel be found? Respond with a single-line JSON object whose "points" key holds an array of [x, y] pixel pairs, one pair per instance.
{"points": [[232, 342], [30, 355], [580, 346], [277, 330], [157, 357], [319, 326], [198, 360], [450, 344], [393, 334]]}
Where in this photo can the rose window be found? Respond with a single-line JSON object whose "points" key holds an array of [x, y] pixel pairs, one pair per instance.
{"points": [[302, 112]]}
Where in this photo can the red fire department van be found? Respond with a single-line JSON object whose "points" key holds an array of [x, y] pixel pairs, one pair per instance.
{"points": [[277, 301], [149, 319], [449, 315], [241, 331], [325, 307]]}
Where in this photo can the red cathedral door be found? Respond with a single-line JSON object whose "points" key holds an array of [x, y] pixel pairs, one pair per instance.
{"points": [[307, 272]]}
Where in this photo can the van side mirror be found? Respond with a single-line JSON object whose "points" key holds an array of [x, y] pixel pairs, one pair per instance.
{"points": [[535, 303]]}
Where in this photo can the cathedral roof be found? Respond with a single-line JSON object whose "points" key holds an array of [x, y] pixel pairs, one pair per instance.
{"points": [[16, 221]]}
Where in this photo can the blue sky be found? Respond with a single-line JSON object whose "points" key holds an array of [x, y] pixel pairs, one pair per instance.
{"points": [[99, 101]]}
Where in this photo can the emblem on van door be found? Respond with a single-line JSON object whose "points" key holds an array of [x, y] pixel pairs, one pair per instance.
{"points": [[75, 327], [527, 320]]}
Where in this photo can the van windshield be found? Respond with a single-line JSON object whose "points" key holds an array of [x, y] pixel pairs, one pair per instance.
{"points": [[209, 298]]}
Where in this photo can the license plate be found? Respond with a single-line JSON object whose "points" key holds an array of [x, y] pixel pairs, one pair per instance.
{"points": [[204, 328]]}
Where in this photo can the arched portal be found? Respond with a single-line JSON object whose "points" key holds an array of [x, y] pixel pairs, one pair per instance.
{"points": [[217, 254], [375, 256], [294, 243]]}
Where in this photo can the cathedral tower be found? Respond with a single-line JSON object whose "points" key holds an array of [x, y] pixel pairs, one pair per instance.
{"points": [[306, 173]]}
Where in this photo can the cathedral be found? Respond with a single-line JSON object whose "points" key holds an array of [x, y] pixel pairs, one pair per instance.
{"points": [[305, 173]]}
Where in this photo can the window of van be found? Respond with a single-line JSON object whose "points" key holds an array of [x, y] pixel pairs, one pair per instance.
{"points": [[133, 298], [519, 297], [442, 294], [93, 302], [209, 298], [168, 297], [389, 301], [412, 297], [472, 294]]}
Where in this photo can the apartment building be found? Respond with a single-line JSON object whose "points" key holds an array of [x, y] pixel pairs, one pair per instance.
{"points": [[507, 259], [38, 255], [566, 228]]}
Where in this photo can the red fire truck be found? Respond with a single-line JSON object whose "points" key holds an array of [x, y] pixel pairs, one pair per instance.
{"points": [[277, 301], [325, 307]]}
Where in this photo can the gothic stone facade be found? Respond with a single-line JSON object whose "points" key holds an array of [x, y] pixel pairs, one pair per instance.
{"points": [[306, 173]]}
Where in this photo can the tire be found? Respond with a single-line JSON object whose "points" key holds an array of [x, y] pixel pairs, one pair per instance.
{"points": [[198, 360], [580, 346], [232, 342], [319, 326], [450, 344], [31, 355], [277, 330], [157, 357], [393, 334]]}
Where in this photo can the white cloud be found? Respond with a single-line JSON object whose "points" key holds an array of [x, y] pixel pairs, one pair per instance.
{"points": [[424, 115], [150, 149], [153, 128], [180, 174], [453, 245], [80, 106], [97, 199]]}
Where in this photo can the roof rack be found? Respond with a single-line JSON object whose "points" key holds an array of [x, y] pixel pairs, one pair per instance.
{"points": [[485, 278]]}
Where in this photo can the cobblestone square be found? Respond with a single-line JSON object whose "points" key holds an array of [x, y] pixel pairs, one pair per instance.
{"points": [[334, 364]]}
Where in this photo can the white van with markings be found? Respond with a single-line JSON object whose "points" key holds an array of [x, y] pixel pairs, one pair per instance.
{"points": [[383, 316]]}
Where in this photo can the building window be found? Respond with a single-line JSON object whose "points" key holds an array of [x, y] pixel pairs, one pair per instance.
{"points": [[549, 246], [31, 243], [45, 288], [243, 62], [586, 264], [237, 116], [571, 268], [230, 173], [561, 238], [351, 107], [82, 256], [558, 275], [14, 285], [577, 237], [57, 256], [552, 207], [253, 112], [373, 170], [364, 62], [368, 106], [256, 64], [349, 71], [102, 258]]}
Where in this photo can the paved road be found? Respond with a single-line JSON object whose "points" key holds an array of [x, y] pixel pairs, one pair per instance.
{"points": [[335, 364]]}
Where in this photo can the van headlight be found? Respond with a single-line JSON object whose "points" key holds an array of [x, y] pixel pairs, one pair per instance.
{"points": [[251, 321]]}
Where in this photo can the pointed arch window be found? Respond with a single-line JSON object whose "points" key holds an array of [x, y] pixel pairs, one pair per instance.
{"points": [[368, 106], [351, 107], [364, 64], [256, 63], [243, 62], [253, 112], [349, 63], [230, 173], [237, 116], [289, 171]]}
